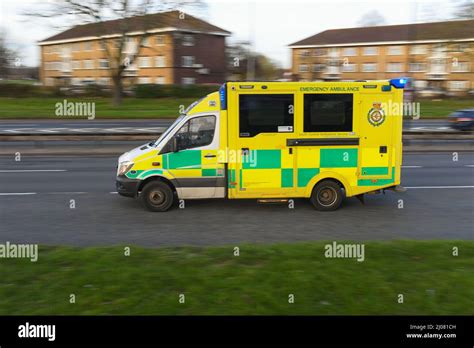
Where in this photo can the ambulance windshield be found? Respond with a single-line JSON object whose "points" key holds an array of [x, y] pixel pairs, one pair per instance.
{"points": [[169, 130]]}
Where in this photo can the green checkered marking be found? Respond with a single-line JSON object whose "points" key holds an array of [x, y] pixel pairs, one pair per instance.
{"points": [[338, 158], [374, 170], [287, 177], [305, 175], [189, 159], [377, 182], [209, 172], [264, 159], [231, 178]]}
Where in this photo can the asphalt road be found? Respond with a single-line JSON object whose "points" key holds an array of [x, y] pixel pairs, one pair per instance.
{"points": [[35, 199], [157, 126]]}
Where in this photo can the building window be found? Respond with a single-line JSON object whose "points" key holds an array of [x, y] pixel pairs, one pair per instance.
{"points": [[303, 68], [333, 52], [350, 67], [420, 84], [460, 67], [103, 64], [87, 45], [187, 61], [160, 40], [395, 50], [318, 67], [417, 67], [76, 47], [418, 49], [146, 42], [144, 62], [188, 80], [160, 80], [394, 67], [317, 52], [458, 85], [104, 81], [88, 64], [188, 40], [160, 61], [76, 64], [370, 51], [328, 112], [349, 51], [144, 80], [369, 67], [304, 53], [265, 113]]}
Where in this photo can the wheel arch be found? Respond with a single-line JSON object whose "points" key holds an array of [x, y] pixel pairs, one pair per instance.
{"points": [[329, 176], [156, 178]]}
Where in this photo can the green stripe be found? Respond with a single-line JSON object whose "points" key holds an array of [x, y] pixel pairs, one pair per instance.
{"points": [[305, 175], [374, 170], [150, 172], [263, 159], [134, 175], [338, 158], [287, 177], [209, 172]]}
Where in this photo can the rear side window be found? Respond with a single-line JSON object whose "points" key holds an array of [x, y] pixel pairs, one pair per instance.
{"points": [[328, 112], [265, 113]]}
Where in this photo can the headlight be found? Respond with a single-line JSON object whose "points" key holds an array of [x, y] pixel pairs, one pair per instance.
{"points": [[124, 167]]}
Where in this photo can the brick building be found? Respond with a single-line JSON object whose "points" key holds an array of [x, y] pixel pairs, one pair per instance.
{"points": [[176, 50], [436, 55]]}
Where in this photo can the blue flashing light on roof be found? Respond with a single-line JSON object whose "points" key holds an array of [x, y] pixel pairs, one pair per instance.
{"points": [[398, 83], [223, 97]]}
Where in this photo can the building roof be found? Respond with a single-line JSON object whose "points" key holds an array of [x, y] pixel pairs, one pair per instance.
{"points": [[451, 30], [163, 20]]}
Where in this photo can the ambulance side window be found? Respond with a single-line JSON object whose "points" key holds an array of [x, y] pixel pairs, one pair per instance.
{"points": [[197, 132], [265, 113], [328, 112]]}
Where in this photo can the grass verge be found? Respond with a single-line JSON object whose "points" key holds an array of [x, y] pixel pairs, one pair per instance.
{"points": [[259, 281], [142, 108], [44, 108]]}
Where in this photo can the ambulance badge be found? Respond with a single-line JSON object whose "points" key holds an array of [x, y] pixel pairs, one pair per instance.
{"points": [[376, 114]]}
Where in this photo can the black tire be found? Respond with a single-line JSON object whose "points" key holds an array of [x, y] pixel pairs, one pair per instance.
{"points": [[157, 196], [327, 195]]}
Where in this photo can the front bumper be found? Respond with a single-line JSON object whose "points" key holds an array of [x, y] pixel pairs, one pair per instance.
{"points": [[127, 187]]}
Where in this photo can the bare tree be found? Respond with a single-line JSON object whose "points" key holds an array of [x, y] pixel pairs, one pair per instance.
{"points": [[100, 11], [465, 10], [7, 55], [371, 19]]}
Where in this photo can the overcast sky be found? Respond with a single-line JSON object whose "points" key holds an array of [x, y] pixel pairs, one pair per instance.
{"points": [[270, 24]]}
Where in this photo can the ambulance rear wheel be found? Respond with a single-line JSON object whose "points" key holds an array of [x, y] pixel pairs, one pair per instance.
{"points": [[157, 196], [327, 195]]}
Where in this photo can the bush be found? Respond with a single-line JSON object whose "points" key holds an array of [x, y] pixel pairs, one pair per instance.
{"points": [[164, 91]]}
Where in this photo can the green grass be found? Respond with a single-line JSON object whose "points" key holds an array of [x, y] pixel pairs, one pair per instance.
{"points": [[258, 281], [442, 108], [38, 108]]}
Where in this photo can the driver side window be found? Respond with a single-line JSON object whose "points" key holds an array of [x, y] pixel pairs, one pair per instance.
{"points": [[196, 132]]}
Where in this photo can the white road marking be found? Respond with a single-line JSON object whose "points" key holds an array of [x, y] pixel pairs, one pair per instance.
{"points": [[16, 193], [438, 187], [114, 193], [32, 170], [469, 165]]}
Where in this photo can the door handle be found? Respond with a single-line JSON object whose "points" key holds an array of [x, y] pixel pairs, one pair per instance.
{"points": [[209, 156]]}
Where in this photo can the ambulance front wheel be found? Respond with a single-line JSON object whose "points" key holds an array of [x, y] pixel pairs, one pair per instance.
{"points": [[157, 196], [327, 195]]}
